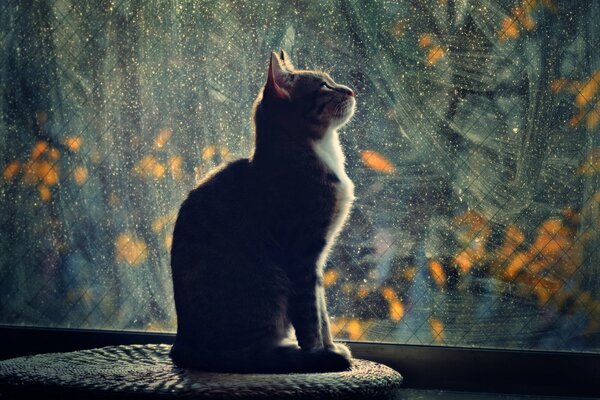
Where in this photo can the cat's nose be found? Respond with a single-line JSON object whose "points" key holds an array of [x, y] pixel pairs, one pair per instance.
{"points": [[347, 91]]}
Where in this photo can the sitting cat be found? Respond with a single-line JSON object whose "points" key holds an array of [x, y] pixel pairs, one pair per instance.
{"points": [[250, 242]]}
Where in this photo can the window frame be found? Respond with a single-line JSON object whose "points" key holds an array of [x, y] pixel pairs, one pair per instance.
{"points": [[528, 372]]}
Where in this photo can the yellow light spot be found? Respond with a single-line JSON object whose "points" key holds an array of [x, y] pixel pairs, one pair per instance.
{"points": [[396, 310], [474, 226], [464, 261], [425, 40], [130, 250], [150, 167], [47, 172], [551, 226], [524, 18], [377, 161], [43, 167], [161, 222], [330, 277], [529, 5], [518, 262], [225, 153], [158, 170], [163, 137], [437, 330], [388, 293], [145, 165], [175, 166], [209, 152], [11, 170], [576, 119], [591, 165], [436, 271], [354, 329], [509, 29], [535, 267], [514, 235], [552, 240], [337, 325], [168, 241], [39, 148], [44, 192], [73, 143], [593, 117], [435, 54], [588, 90], [543, 288], [80, 175]]}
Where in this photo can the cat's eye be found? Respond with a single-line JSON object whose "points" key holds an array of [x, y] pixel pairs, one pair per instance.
{"points": [[325, 86]]}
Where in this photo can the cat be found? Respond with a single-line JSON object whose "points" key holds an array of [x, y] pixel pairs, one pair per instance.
{"points": [[250, 242]]}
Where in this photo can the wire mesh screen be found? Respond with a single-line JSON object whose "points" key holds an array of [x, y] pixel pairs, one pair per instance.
{"points": [[474, 150]]}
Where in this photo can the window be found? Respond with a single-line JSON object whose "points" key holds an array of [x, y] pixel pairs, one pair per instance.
{"points": [[475, 152]]}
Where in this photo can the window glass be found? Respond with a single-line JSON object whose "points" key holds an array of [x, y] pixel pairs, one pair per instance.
{"points": [[475, 152]]}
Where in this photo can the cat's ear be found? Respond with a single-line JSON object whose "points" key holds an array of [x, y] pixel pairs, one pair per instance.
{"points": [[278, 81], [285, 58]]}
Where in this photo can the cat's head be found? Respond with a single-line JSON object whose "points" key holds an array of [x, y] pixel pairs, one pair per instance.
{"points": [[310, 99]]}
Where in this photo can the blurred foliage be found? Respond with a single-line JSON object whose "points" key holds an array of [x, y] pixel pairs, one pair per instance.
{"points": [[475, 154]]}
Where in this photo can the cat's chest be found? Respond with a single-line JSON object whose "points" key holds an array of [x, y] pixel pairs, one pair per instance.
{"points": [[329, 153]]}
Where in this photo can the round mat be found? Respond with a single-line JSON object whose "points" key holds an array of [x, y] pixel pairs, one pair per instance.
{"points": [[144, 371]]}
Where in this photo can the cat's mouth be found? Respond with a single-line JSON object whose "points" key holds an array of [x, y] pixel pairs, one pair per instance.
{"points": [[344, 110]]}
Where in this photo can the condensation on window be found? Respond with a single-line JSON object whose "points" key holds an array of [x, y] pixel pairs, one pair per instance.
{"points": [[475, 152]]}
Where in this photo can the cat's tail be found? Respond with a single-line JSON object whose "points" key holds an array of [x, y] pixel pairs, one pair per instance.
{"points": [[276, 360]]}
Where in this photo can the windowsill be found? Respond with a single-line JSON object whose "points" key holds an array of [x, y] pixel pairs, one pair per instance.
{"points": [[423, 367]]}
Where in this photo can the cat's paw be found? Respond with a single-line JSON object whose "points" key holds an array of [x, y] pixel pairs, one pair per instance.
{"points": [[330, 360], [341, 349]]}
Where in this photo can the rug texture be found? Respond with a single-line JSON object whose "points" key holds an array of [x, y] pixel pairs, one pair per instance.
{"points": [[146, 371]]}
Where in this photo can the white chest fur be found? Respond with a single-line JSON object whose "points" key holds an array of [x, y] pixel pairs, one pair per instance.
{"points": [[330, 153]]}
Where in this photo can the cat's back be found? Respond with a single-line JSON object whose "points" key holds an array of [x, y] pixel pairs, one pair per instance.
{"points": [[214, 213], [227, 181]]}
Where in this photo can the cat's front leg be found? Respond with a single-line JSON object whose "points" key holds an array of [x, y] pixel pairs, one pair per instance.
{"points": [[325, 328], [304, 312], [324, 317]]}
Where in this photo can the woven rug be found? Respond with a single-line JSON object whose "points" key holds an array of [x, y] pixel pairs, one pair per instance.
{"points": [[146, 371]]}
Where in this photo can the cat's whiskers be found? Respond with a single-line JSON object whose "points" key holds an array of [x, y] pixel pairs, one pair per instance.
{"points": [[342, 109], [336, 110]]}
